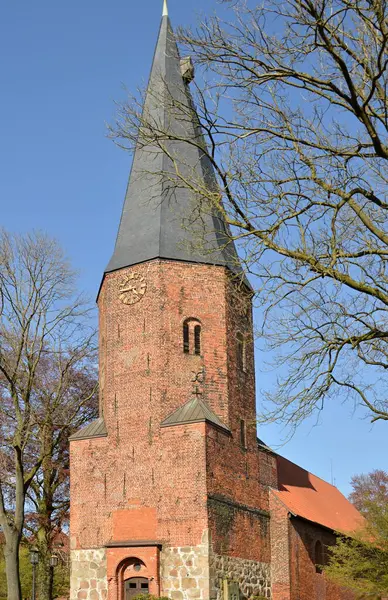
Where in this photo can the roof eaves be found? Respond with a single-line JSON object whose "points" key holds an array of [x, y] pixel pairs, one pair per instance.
{"points": [[317, 523], [290, 512], [219, 426], [95, 429], [263, 446]]}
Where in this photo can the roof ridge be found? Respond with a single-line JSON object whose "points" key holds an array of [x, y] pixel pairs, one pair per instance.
{"points": [[313, 474]]}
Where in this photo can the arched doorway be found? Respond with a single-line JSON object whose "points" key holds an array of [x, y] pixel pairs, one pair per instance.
{"points": [[135, 586]]}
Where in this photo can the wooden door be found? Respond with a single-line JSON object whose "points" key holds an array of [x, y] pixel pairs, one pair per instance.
{"points": [[135, 586]]}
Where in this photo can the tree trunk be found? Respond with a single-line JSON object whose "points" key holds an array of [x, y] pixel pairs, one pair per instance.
{"points": [[11, 556], [45, 576]]}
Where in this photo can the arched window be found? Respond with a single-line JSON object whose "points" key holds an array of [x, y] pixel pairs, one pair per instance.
{"points": [[241, 352], [318, 556], [192, 337], [186, 338]]}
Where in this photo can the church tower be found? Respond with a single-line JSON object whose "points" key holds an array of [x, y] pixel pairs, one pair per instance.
{"points": [[169, 485]]}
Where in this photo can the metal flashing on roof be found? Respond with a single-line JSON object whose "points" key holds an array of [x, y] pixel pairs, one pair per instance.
{"points": [[194, 411], [133, 544], [263, 446], [95, 429]]}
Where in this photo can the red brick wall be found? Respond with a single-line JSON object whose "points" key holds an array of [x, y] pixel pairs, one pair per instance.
{"points": [[236, 480], [280, 549], [144, 377], [307, 584], [147, 482]]}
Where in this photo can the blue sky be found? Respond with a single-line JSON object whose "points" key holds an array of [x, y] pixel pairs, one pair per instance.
{"points": [[62, 67]]}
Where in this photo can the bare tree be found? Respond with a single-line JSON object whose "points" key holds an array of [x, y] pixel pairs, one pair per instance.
{"points": [[66, 397], [294, 108], [43, 322], [368, 489]]}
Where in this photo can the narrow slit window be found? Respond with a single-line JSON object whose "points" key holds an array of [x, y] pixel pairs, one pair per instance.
{"points": [[243, 433], [241, 352], [318, 556], [186, 338], [197, 339]]}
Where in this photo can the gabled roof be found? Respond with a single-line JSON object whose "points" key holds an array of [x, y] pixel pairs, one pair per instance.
{"points": [[160, 217], [312, 498], [95, 429], [194, 411]]}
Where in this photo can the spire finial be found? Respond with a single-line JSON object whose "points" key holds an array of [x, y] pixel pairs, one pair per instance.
{"points": [[165, 9]]}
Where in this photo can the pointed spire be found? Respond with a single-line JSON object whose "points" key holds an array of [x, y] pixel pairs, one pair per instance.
{"points": [[160, 216], [165, 9]]}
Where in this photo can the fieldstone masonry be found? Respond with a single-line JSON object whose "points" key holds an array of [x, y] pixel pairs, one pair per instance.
{"points": [[254, 578], [185, 572], [88, 575]]}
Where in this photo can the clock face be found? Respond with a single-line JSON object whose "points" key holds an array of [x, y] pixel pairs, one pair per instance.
{"points": [[132, 288]]}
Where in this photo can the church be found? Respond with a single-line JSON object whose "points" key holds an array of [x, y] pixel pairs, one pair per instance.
{"points": [[172, 493]]}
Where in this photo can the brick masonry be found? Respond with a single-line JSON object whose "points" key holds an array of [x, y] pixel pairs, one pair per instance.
{"points": [[144, 482], [280, 549], [192, 501], [306, 583]]}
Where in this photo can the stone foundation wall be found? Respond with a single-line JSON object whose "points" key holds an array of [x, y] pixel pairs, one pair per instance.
{"points": [[254, 578], [185, 572], [88, 580]]}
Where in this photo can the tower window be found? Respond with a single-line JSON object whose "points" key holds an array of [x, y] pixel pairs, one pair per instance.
{"points": [[192, 337], [197, 339], [186, 338], [241, 352]]}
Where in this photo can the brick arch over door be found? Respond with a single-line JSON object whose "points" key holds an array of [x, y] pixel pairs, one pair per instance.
{"points": [[127, 565]]}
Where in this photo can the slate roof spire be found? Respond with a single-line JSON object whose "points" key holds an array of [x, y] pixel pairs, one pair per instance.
{"points": [[161, 217]]}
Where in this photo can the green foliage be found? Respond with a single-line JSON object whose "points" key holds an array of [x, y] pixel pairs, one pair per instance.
{"points": [[61, 576], [361, 562], [61, 581]]}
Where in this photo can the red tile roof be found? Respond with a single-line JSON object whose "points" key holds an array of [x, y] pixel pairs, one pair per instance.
{"points": [[306, 495]]}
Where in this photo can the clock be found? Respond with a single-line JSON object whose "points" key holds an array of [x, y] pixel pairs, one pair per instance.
{"points": [[132, 288]]}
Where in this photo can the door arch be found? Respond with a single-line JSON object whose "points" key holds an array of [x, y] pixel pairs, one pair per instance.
{"points": [[134, 586]]}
